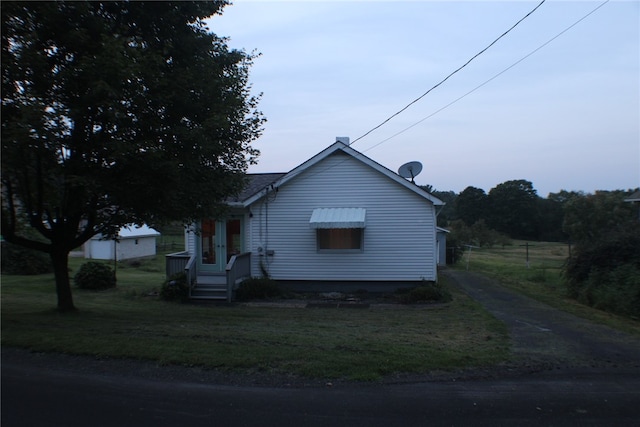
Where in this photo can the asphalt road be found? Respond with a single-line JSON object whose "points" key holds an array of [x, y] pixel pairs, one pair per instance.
{"points": [[585, 376], [63, 398]]}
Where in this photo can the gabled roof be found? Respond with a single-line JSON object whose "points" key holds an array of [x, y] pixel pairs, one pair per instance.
{"points": [[635, 197], [340, 146], [132, 231], [255, 183]]}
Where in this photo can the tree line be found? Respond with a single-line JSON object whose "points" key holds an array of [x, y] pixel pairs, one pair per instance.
{"points": [[514, 210], [603, 228]]}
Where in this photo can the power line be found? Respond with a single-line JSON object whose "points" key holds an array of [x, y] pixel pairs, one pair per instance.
{"points": [[491, 79], [451, 74], [469, 92]]}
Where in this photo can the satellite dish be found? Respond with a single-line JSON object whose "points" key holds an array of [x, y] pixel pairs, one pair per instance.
{"points": [[410, 170]]}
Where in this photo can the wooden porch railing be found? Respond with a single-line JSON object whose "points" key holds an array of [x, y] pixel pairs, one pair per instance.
{"points": [[238, 267], [190, 270], [176, 262], [182, 262]]}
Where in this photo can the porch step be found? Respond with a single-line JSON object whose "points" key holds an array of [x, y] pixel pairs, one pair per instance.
{"points": [[211, 279], [210, 286], [209, 291]]}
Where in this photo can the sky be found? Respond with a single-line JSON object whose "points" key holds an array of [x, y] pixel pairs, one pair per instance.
{"points": [[551, 102]]}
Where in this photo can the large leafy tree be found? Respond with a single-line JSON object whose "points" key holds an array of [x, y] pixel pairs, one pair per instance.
{"points": [[117, 112], [472, 205], [514, 209], [587, 218]]}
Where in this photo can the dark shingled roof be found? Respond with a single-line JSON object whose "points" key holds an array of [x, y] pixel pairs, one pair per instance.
{"points": [[635, 197], [255, 183]]}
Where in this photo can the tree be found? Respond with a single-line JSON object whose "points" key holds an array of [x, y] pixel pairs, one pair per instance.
{"points": [[116, 113], [604, 270], [472, 205], [514, 209], [551, 215], [587, 218]]}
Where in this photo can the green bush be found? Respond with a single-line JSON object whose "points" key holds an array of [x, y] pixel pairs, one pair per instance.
{"points": [[20, 260], [428, 292], [95, 276], [616, 291], [258, 288], [605, 273], [175, 288]]}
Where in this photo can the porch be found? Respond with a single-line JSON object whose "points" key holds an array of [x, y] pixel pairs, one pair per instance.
{"points": [[210, 286]]}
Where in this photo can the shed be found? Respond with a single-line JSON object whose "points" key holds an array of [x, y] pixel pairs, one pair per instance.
{"points": [[133, 242], [441, 245]]}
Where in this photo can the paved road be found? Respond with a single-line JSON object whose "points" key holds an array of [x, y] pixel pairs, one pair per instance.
{"points": [[591, 387], [32, 397]]}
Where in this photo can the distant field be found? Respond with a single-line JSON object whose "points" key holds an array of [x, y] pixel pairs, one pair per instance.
{"points": [[541, 279]]}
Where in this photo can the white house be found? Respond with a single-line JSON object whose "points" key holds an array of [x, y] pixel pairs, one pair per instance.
{"points": [[338, 222], [133, 242]]}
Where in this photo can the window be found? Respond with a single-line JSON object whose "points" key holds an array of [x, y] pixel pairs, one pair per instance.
{"points": [[339, 239], [339, 229]]}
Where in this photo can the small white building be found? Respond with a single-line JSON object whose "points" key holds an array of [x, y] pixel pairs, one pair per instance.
{"points": [[132, 242]]}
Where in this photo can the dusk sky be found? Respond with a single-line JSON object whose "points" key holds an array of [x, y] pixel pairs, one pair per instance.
{"points": [[563, 113]]}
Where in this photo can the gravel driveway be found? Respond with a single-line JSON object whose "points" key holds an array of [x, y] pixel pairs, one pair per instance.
{"points": [[545, 337]]}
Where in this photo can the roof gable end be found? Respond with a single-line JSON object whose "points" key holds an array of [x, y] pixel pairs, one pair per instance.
{"points": [[341, 147]]}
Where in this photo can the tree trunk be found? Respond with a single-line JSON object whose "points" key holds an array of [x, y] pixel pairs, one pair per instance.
{"points": [[60, 259]]}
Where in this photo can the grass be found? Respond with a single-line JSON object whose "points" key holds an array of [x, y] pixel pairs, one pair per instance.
{"points": [[542, 279], [363, 344]]}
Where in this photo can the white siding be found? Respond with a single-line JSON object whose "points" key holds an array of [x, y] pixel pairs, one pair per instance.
{"points": [[399, 238], [126, 248], [190, 239]]}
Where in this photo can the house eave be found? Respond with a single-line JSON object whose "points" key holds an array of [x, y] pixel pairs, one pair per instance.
{"points": [[339, 146]]}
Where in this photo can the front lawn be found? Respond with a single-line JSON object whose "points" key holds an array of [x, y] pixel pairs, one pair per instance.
{"points": [[357, 344]]}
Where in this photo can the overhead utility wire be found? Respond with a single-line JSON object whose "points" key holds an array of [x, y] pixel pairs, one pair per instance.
{"points": [[474, 89], [447, 78], [492, 78]]}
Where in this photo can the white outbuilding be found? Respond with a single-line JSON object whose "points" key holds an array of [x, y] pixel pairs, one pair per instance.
{"points": [[133, 242]]}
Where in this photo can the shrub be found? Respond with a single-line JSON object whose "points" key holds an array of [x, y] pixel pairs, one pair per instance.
{"points": [[428, 292], [605, 273], [616, 291], [175, 288], [23, 261], [95, 276], [258, 288]]}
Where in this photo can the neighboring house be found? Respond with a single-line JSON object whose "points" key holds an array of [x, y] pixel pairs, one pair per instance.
{"points": [[634, 198], [338, 222], [132, 242]]}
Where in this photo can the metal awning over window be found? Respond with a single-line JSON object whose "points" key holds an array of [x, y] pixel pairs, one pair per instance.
{"points": [[338, 218]]}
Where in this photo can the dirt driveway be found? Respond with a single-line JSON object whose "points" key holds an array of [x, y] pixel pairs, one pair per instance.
{"points": [[544, 337]]}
